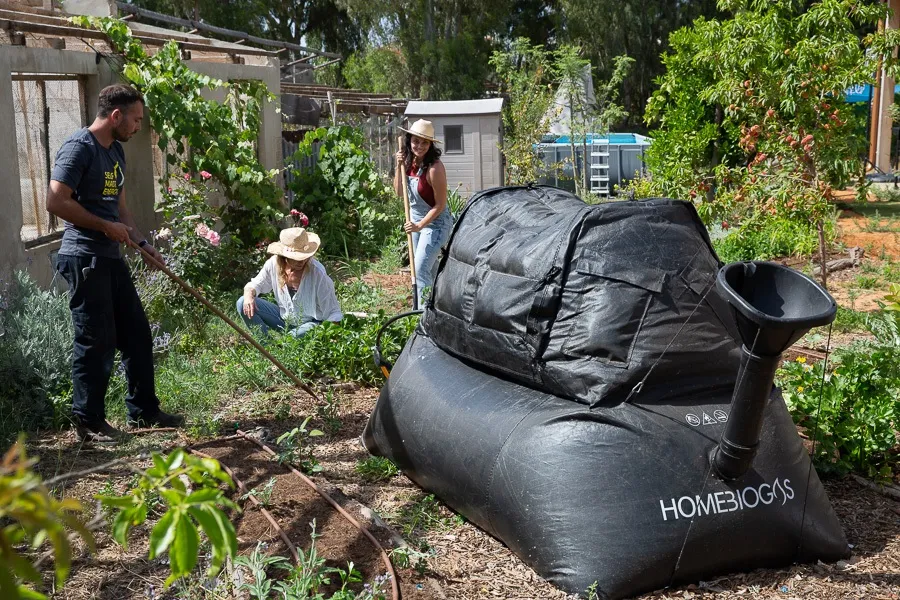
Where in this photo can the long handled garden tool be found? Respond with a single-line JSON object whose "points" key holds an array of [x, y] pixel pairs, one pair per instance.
{"points": [[409, 244], [159, 265]]}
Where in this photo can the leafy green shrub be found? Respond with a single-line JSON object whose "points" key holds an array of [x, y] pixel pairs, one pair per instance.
{"points": [[749, 124], [35, 357], [859, 418], [524, 75], [893, 298], [295, 447], [348, 204], [188, 511], [342, 350], [637, 188], [185, 488], [777, 237]]}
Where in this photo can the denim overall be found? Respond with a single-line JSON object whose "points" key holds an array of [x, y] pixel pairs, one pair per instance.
{"points": [[428, 242]]}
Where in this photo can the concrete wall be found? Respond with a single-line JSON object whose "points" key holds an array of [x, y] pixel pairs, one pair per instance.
{"points": [[92, 8], [479, 166], [140, 185]]}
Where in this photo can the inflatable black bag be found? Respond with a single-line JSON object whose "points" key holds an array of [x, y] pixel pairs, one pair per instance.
{"points": [[590, 387]]}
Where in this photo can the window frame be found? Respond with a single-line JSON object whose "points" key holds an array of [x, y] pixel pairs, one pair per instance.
{"points": [[462, 144]]}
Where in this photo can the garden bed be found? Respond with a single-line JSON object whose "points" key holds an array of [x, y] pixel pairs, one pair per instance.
{"points": [[458, 560]]}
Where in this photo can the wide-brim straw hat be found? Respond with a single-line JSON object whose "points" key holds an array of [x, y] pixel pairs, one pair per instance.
{"points": [[295, 243], [423, 129]]}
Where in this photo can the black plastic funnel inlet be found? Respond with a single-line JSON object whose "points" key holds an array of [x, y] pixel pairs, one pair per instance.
{"points": [[774, 302], [774, 306]]}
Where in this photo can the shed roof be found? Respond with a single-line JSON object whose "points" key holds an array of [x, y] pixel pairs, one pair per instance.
{"points": [[422, 108]]}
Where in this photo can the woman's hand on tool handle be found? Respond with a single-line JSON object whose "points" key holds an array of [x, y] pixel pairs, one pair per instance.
{"points": [[411, 227], [249, 304]]}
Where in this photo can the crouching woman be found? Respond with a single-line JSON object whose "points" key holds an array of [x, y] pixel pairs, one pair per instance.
{"points": [[303, 290]]}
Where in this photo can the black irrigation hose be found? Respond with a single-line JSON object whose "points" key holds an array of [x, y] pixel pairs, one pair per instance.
{"points": [[382, 364]]}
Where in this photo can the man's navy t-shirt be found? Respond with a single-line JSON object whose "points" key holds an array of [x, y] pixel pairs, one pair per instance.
{"points": [[97, 176]]}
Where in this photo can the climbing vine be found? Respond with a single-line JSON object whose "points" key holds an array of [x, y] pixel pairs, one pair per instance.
{"points": [[198, 134]]}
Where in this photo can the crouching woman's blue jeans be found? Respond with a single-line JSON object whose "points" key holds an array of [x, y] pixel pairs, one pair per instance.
{"points": [[267, 316]]}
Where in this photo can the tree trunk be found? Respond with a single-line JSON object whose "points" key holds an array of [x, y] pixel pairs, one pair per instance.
{"points": [[429, 20], [572, 142], [716, 150], [585, 168], [823, 251]]}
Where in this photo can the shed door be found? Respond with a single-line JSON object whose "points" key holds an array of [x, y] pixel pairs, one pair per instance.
{"points": [[490, 151]]}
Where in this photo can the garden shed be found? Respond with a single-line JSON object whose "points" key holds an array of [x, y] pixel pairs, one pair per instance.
{"points": [[470, 132]]}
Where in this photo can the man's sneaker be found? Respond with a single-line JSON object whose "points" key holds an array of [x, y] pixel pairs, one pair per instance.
{"points": [[160, 419], [99, 433]]}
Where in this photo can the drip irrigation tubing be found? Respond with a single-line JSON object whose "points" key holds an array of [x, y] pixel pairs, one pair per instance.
{"points": [[395, 589], [243, 488]]}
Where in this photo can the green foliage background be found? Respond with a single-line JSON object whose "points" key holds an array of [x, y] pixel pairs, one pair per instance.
{"points": [[348, 204]]}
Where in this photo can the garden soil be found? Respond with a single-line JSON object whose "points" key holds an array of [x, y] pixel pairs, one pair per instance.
{"points": [[295, 506], [463, 562], [873, 235]]}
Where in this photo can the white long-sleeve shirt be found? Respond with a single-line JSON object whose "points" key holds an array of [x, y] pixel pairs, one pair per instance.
{"points": [[315, 298]]}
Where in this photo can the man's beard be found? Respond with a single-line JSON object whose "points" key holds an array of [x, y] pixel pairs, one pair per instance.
{"points": [[120, 135]]}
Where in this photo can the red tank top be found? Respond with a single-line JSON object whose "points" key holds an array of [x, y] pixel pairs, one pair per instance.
{"points": [[424, 188]]}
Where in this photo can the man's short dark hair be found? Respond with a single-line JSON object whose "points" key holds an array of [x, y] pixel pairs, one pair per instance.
{"points": [[115, 96]]}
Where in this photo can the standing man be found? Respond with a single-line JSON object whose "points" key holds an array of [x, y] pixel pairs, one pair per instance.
{"points": [[87, 191]]}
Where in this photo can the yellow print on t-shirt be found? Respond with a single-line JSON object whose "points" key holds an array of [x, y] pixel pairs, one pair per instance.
{"points": [[111, 181]]}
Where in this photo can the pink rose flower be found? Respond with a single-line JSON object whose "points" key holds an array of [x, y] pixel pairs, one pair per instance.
{"points": [[205, 175], [187, 176], [213, 238], [299, 217], [169, 190], [202, 230]]}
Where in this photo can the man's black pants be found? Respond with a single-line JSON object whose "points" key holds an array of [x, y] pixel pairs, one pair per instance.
{"points": [[107, 315]]}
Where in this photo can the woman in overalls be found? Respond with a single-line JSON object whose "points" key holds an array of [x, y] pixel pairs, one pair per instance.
{"points": [[426, 180]]}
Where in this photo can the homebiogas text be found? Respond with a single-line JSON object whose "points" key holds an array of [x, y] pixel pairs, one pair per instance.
{"points": [[714, 503]]}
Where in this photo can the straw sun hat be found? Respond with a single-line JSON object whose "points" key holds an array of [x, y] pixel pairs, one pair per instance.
{"points": [[423, 129], [295, 243]]}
